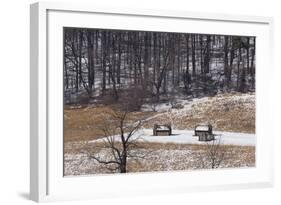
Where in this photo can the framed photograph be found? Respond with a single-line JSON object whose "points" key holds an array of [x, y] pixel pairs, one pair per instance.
{"points": [[131, 102]]}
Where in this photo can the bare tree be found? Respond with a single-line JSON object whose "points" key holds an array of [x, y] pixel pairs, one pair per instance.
{"points": [[213, 155], [118, 131]]}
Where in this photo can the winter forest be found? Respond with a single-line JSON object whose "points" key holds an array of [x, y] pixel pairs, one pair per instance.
{"points": [[153, 64], [138, 101]]}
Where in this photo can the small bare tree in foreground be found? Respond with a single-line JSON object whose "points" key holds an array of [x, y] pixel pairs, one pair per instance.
{"points": [[118, 129], [213, 155]]}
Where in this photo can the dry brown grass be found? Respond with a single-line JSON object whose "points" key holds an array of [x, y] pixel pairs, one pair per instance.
{"points": [[189, 156], [225, 113], [80, 123], [83, 123]]}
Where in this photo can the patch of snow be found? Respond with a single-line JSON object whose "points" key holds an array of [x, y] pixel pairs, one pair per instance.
{"points": [[202, 128], [187, 137], [159, 107], [162, 127]]}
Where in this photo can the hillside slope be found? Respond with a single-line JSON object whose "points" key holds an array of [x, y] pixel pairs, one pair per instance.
{"points": [[226, 112]]}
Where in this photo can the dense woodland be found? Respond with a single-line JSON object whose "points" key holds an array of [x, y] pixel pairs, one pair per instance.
{"points": [[110, 65]]}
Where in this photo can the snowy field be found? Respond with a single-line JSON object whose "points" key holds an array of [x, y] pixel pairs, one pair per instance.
{"points": [[180, 151], [232, 117], [186, 137], [165, 153]]}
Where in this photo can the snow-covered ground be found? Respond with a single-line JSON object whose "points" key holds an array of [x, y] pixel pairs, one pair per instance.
{"points": [[159, 156], [186, 137]]}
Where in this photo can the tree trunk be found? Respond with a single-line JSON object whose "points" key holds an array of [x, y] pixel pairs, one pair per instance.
{"points": [[238, 68], [226, 58], [248, 55], [186, 75], [193, 55], [90, 62], [158, 93], [104, 53], [207, 59], [119, 58], [231, 63], [179, 59], [253, 57], [201, 54], [154, 57], [146, 61]]}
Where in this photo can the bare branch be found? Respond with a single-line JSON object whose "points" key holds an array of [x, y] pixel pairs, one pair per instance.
{"points": [[104, 162]]}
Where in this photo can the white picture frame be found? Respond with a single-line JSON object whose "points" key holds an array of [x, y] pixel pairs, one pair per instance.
{"points": [[46, 179]]}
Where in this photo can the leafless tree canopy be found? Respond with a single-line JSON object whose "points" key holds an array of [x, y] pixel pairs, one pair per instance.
{"points": [[213, 155], [107, 65], [118, 131]]}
